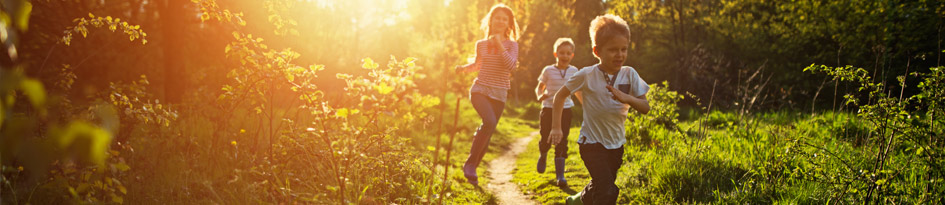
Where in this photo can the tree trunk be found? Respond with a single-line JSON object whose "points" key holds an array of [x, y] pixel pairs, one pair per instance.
{"points": [[173, 19]]}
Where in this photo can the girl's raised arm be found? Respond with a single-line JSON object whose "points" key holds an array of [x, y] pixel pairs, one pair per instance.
{"points": [[477, 63]]}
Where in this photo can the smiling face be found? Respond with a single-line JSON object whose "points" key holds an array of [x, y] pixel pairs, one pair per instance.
{"points": [[499, 24], [613, 53], [564, 54]]}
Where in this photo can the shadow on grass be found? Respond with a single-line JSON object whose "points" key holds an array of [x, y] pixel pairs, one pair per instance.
{"points": [[567, 189]]}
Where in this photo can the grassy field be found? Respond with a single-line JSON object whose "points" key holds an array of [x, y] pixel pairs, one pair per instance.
{"points": [[716, 158]]}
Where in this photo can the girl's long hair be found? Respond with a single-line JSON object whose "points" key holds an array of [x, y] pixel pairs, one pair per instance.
{"points": [[512, 32]]}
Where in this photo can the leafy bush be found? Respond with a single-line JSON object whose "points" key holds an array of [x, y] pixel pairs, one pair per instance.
{"points": [[897, 158], [663, 114]]}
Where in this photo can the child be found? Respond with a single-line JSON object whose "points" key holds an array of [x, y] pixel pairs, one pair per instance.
{"points": [[496, 55], [605, 108], [551, 79]]}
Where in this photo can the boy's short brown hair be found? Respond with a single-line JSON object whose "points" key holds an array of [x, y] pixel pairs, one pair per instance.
{"points": [[563, 41], [605, 27]]}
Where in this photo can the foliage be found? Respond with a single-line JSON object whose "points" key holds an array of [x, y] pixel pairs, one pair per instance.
{"points": [[265, 121], [663, 115], [73, 150], [139, 105], [82, 27], [694, 44], [897, 161]]}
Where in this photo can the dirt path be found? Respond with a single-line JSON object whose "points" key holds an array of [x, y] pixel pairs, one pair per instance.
{"points": [[500, 170]]}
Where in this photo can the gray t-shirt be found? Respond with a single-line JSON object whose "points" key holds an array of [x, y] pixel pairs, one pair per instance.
{"points": [[604, 117], [554, 79]]}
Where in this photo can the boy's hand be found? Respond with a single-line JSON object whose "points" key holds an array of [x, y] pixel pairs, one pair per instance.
{"points": [[555, 136], [619, 95], [543, 97], [459, 69]]}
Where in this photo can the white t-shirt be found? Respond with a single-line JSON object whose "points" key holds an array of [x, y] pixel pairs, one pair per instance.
{"points": [[554, 79], [604, 117]]}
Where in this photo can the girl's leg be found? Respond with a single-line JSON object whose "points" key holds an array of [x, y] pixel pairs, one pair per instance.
{"points": [[487, 129], [490, 117]]}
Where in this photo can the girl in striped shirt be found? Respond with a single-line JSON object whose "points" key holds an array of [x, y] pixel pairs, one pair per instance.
{"points": [[496, 56]]}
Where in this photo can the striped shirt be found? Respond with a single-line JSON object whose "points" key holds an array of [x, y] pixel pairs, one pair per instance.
{"points": [[554, 78], [495, 68]]}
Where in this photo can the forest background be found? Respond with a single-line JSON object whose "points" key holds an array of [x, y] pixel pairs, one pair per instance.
{"points": [[286, 100]]}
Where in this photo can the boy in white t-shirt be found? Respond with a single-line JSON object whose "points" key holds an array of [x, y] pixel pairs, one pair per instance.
{"points": [[609, 90], [551, 79]]}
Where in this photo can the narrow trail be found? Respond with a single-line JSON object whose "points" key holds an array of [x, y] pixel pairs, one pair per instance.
{"points": [[500, 170]]}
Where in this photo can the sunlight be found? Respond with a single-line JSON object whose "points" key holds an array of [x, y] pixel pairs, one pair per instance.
{"points": [[383, 101]]}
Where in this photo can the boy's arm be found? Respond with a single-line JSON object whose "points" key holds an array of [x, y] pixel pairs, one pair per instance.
{"points": [[638, 103], [557, 107], [580, 97], [540, 90]]}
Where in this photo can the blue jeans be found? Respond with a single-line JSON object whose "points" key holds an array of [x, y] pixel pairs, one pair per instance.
{"points": [[490, 110]]}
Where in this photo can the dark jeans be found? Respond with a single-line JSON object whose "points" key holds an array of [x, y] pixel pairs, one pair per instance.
{"points": [[561, 149], [490, 110], [602, 163]]}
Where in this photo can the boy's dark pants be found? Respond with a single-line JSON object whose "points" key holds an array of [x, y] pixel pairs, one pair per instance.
{"points": [[561, 149], [602, 163]]}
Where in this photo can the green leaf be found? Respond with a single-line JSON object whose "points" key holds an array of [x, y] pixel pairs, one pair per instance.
{"points": [[369, 64], [383, 88], [410, 61], [343, 112], [34, 91], [430, 102], [23, 16], [117, 199], [122, 167], [98, 139]]}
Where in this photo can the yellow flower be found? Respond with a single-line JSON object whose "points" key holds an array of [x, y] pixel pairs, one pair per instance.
{"points": [[20, 168], [242, 131], [233, 142]]}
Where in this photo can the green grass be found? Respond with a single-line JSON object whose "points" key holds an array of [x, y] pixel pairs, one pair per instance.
{"points": [[542, 187], [733, 161]]}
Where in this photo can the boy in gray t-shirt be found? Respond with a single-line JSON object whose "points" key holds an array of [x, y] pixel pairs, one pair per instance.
{"points": [[609, 90]]}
